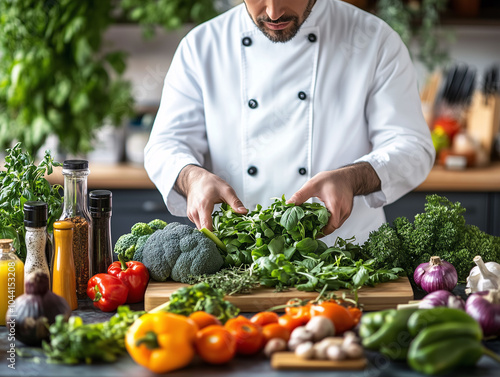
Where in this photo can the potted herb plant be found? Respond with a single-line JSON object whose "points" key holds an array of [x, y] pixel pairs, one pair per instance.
{"points": [[417, 22], [54, 77]]}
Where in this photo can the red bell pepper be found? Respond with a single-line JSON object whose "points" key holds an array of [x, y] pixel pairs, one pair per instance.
{"points": [[134, 275], [107, 291]]}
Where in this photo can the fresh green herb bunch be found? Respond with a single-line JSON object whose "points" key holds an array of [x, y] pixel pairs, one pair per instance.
{"points": [[201, 296], [74, 342], [440, 230], [280, 246], [281, 228], [232, 280], [23, 181]]}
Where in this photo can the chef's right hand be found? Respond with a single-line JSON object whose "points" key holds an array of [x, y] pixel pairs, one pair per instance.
{"points": [[203, 190]]}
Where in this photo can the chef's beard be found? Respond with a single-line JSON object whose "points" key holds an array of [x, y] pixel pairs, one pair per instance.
{"points": [[282, 36]]}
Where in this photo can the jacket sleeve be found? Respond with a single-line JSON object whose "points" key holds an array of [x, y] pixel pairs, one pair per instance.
{"points": [[178, 137], [403, 153]]}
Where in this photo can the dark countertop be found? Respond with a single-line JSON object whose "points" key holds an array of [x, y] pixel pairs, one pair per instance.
{"points": [[378, 365]]}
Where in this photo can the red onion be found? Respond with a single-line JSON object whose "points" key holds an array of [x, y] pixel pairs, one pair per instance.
{"points": [[441, 298], [484, 307], [436, 275]]}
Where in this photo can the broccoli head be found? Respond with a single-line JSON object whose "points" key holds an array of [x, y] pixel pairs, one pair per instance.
{"points": [[125, 245], [178, 251], [141, 229], [157, 224], [139, 246]]}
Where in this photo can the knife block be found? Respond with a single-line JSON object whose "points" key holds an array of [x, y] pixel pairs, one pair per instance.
{"points": [[483, 120]]}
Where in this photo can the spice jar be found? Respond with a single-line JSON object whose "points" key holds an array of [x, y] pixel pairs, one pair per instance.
{"points": [[35, 223], [11, 277], [75, 174], [63, 270], [101, 252]]}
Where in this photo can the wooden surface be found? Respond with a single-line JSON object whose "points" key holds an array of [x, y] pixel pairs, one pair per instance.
{"points": [[288, 360], [486, 179], [129, 176], [383, 296], [111, 176]]}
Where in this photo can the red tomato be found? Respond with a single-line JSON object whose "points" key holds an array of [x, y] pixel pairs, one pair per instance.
{"points": [[338, 314], [264, 318], [215, 344], [248, 335], [290, 322], [204, 319], [355, 314], [301, 312], [275, 330]]}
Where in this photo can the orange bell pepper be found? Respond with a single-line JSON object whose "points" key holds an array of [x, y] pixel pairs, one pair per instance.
{"points": [[162, 342]]}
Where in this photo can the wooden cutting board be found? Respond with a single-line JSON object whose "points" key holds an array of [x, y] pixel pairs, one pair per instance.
{"points": [[288, 360], [383, 296]]}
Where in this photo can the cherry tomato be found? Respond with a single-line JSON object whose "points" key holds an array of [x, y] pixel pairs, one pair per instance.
{"points": [[215, 344], [338, 314], [355, 314], [265, 318], [248, 335], [275, 330], [290, 322], [301, 312], [204, 319]]}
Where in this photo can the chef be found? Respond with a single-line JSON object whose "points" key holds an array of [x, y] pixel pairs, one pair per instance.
{"points": [[313, 99]]}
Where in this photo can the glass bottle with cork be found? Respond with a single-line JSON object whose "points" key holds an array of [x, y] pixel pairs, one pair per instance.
{"points": [[63, 269], [101, 252], [35, 223], [11, 277], [75, 210]]}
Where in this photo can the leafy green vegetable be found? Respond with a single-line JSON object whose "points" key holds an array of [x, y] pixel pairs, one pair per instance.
{"points": [[279, 245], [201, 296], [23, 181], [440, 230], [74, 342]]}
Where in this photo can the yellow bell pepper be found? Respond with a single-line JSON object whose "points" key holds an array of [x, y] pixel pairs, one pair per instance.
{"points": [[161, 341]]}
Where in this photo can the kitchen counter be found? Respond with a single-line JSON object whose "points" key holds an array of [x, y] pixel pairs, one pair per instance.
{"points": [[378, 365], [130, 176]]}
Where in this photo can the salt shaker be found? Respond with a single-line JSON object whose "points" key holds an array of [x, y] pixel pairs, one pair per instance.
{"points": [[35, 222]]}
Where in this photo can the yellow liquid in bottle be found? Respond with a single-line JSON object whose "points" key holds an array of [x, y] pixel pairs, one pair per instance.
{"points": [[11, 285]]}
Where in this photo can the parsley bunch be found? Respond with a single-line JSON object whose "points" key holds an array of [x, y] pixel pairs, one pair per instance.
{"points": [[73, 342], [440, 230]]}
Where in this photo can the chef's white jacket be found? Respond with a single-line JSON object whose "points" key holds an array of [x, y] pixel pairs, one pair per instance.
{"points": [[266, 116]]}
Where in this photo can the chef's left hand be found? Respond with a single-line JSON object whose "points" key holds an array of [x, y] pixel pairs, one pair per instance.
{"points": [[336, 189]]}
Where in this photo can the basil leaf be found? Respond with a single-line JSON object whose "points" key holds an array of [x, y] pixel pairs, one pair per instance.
{"points": [[276, 246], [307, 245], [291, 218]]}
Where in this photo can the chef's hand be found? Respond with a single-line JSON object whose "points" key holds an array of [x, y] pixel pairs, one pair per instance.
{"points": [[336, 189], [203, 190]]}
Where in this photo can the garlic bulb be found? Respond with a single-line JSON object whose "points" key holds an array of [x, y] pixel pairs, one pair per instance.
{"points": [[483, 277]]}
